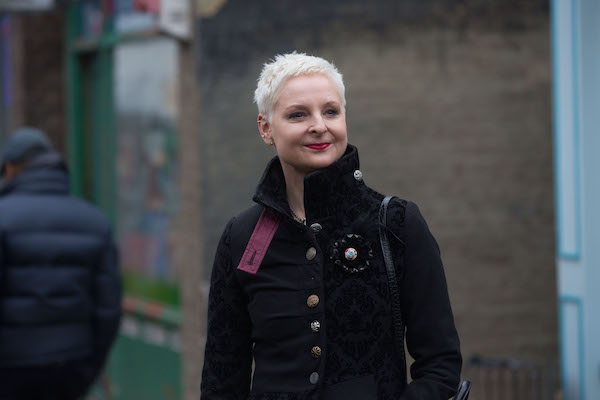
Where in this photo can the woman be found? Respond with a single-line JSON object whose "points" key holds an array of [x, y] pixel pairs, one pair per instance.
{"points": [[299, 305]]}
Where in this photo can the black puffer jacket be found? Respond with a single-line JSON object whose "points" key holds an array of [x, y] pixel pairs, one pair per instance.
{"points": [[59, 284], [312, 326]]}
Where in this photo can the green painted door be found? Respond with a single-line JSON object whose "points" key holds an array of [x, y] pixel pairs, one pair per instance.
{"points": [[122, 80]]}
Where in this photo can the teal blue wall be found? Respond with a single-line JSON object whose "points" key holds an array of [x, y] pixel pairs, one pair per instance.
{"points": [[576, 99], [590, 145]]}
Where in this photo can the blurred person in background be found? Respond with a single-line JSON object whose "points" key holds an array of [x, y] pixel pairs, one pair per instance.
{"points": [[60, 291], [299, 284]]}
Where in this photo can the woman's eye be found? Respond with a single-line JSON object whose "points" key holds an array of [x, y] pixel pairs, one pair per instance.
{"points": [[332, 111], [297, 114]]}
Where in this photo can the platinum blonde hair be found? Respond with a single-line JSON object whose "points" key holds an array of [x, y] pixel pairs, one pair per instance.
{"points": [[285, 66]]}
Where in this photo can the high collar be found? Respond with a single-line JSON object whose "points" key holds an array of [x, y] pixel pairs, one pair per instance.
{"points": [[47, 173], [322, 188]]}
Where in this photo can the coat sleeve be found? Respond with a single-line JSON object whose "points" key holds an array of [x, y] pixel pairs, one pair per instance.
{"points": [[107, 302], [431, 336], [228, 353]]}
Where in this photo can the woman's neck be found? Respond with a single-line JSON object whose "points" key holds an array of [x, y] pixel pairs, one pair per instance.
{"points": [[294, 184]]}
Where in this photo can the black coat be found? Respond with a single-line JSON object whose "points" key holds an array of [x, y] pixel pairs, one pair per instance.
{"points": [[59, 284], [265, 316]]}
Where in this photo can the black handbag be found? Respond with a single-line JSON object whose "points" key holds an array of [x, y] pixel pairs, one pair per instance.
{"points": [[465, 385]]}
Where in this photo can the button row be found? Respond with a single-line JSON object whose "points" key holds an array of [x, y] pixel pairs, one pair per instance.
{"points": [[312, 302]]}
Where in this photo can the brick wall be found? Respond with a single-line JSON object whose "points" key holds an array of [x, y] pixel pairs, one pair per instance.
{"points": [[43, 74], [449, 106]]}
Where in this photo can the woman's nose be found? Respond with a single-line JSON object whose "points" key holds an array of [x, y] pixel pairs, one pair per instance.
{"points": [[318, 125]]}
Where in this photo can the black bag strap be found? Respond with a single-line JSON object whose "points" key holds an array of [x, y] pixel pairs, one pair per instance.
{"points": [[463, 390], [392, 279], [393, 284]]}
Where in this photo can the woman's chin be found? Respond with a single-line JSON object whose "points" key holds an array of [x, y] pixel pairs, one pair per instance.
{"points": [[307, 163], [317, 164]]}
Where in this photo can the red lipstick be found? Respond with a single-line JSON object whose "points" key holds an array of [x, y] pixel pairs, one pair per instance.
{"points": [[318, 146]]}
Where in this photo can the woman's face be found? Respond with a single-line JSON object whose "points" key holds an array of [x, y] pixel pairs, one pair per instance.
{"points": [[308, 124]]}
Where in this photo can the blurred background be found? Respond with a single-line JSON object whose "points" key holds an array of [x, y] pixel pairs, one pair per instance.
{"points": [[484, 112]]}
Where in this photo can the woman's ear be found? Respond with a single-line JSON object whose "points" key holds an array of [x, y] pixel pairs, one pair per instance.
{"points": [[264, 128]]}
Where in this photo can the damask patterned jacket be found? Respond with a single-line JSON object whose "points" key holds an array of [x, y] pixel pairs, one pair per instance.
{"points": [[314, 321]]}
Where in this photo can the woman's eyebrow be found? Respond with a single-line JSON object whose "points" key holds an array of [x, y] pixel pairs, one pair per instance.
{"points": [[302, 106], [295, 106]]}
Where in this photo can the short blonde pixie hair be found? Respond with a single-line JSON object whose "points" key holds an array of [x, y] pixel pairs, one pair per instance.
{"points": [[285, 66]]}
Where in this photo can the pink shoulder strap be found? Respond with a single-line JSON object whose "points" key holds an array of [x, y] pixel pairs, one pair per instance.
{"points": [[259, 241]]}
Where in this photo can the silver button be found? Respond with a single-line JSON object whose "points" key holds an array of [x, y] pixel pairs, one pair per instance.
{"points": [[314, 378], [315, 326], [311, 253], [316, 227], [358, 175]]}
